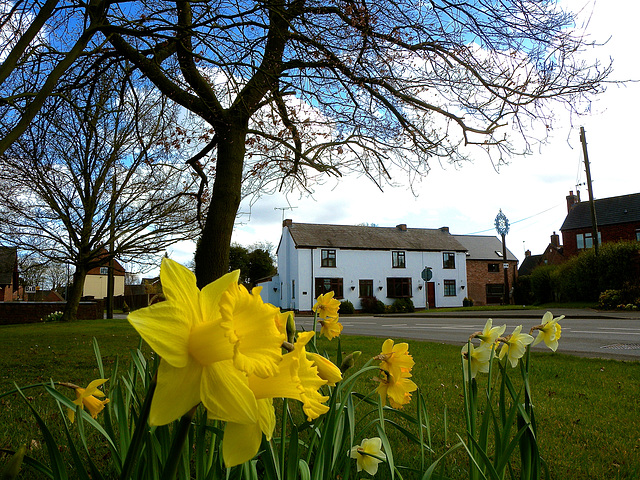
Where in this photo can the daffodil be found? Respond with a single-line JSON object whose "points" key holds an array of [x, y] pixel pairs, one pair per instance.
{"points": [[368, 455], [331, 327], [326, 368], [490, 334], [395, 372], [549, 331], [86, 397], [477, 359], [211, 341], [515, 345], [326, 306], [297, 379]]}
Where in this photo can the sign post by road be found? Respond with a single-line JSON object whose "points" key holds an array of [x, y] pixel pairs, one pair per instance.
{"points": [[426, 275]]}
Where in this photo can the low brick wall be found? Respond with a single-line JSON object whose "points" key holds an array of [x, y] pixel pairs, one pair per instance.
{"points": [[12, 313]]}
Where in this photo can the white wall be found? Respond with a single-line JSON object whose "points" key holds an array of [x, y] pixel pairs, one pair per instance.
{"points": [[96, 286]]}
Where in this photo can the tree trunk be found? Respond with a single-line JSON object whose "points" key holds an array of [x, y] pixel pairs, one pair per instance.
{"points": [[74, 295], [212, 252]]}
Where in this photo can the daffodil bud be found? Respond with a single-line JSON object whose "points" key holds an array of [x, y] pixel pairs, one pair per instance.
{"points": [[291, 328], [349, 361]]}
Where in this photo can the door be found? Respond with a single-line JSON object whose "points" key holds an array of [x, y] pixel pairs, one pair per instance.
{"points": [[431, 294]]}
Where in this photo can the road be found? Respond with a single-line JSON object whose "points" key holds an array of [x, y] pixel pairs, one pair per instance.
{"points": [[584, 332]]}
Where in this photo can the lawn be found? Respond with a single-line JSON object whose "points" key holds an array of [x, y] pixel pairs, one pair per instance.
{"points": [[587, 410]]}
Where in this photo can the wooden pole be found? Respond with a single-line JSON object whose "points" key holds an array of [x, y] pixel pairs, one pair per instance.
{"points": [[594, 222]]}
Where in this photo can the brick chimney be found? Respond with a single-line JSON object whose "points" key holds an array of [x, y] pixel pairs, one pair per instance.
{"points": [[555, 240], [572, 200], [527, 253], [402, 227], [287, 223], [444, 229]]}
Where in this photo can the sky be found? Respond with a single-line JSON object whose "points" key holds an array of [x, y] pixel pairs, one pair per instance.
{"points": [[529, 190]]}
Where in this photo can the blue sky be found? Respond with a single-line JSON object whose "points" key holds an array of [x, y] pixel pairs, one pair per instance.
{"points": [[530, 190]]}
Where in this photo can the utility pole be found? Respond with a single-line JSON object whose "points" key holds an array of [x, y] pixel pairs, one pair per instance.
{"points": [[594, 222]]}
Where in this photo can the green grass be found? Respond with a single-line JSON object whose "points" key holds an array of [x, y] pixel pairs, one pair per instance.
{"points": [[587, 410]]}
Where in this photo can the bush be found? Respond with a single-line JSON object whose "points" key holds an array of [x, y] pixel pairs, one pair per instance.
{"points": [[609, 299], [402, 305], [467, 302], [372, 305], [346, 307], [125, 308], [542, 285]]}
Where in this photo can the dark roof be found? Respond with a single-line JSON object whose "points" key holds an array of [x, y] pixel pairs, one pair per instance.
{"points": [[528, 264], [484, 247], [609, 211], [7, 264], [309, 235]]}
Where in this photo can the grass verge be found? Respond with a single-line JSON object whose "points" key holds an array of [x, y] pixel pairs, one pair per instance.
{"points": [[587, 409]]}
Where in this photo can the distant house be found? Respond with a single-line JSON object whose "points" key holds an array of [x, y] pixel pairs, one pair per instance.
{"points": [[362, 261], [553, 255], [618, 218], [485, 268], [8, 273], [95, 285]]}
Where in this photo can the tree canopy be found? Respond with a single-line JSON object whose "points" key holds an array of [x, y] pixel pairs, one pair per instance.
{"points": [[290, 88]]}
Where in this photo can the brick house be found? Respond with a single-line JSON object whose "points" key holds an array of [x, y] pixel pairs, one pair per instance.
{"points": [[8, 273], [485, 274], [618, 218], [553, 255]]}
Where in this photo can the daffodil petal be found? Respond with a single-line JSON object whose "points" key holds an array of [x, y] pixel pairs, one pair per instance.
{"points": [[166, 329], [267, 417], [211, 294], [92, 388], [180, 287], [226, 395], [177, 392], [240, 443]]}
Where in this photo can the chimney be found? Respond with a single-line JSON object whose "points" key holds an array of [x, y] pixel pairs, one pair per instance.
{"points": [[402, 227], [527, 253], [444, 229], [287, 223], [555, 240], [572, 200]]}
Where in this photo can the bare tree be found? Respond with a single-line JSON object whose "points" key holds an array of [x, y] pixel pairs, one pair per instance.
{"points": [[290, 88], [91, 179]]}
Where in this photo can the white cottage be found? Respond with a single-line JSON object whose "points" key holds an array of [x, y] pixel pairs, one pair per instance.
{"points": [[358, 261]]}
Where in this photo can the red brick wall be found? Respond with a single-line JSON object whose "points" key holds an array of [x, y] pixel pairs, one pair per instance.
{"points": [[478, 276], [608, 233], [31, 312]]}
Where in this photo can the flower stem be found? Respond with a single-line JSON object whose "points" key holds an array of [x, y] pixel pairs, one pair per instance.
{"points": [[180, 437]]}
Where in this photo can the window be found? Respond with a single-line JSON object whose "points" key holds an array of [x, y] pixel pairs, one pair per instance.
{"points": [[293, 289], [104, 270], [366, 288], [638, 235], [585, 240], [328, 258], [324, 285], [397, 260], [449, 288], [494, 267], [398, 287], [448, 260]]}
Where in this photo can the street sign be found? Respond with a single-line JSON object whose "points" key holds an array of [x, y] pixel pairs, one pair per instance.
{"points": [[30, 289], [426, 274]]}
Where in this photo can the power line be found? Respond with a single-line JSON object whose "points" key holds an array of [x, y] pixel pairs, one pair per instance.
{"points": [[518, 221]]}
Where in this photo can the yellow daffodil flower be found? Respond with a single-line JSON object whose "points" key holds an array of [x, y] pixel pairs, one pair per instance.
{"points": [[368, 455], [395, 368], [331, 327], [479, 358], [326, 368], [490, 334], [326, 306], [86, 397], [549, 331], [297, 379], [210, 342], [515, 345]]}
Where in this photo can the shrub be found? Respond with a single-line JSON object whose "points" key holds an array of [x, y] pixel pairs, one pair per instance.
{"points": [[346, 307], [125, 308], [542, 284], [403, 305], [372, 305], [609, 299], [467, 302]]}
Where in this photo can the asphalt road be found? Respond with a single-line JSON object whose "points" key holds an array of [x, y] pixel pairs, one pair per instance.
{"points": [[584, 332]]}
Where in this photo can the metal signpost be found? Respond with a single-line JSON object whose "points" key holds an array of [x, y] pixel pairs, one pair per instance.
{"points": [[426, 275]]}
